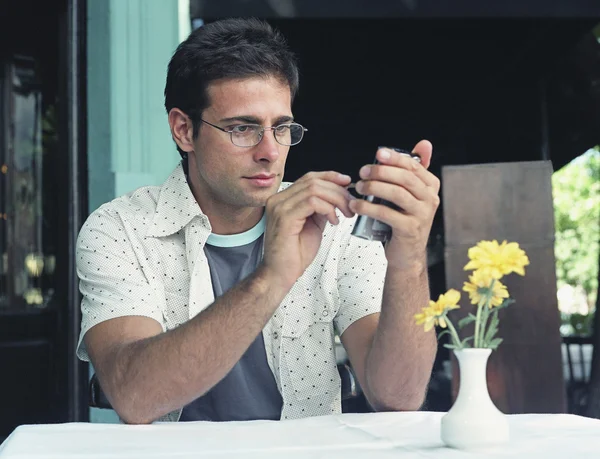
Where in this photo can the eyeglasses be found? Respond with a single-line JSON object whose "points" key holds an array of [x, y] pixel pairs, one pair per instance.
{"points": [[249, 135]]}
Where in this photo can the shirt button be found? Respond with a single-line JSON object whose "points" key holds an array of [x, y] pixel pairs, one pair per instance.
{"points": [[325, 313], [275, 335]]}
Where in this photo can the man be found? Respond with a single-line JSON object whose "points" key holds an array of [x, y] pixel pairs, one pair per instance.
{"points": [[217, 296]]}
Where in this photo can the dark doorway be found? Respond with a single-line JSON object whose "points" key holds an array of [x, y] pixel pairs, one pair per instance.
{"points": [[41, 148]]}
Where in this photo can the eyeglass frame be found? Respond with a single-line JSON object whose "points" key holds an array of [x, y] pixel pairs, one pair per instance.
{"points": [[262, 132]]}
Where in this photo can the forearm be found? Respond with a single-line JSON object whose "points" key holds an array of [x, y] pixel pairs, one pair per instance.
{"points": [[155, 376], [401, 357]]}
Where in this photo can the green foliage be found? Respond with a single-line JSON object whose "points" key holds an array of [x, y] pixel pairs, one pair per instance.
{"points": [[576, 324], [488, 329], [463, 344], [467, 320], [576, 190]]}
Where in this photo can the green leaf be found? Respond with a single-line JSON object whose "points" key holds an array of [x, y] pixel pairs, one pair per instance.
{"points": [[506, 303], [467, 320], [485, 314], [451, 346], [495, 343], [492, 328], [443, 333]]}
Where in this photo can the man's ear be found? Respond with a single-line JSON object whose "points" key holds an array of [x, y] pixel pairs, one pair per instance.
{"points": [[182, 129]]}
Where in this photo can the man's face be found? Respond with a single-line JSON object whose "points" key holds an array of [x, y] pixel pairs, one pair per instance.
{"points": [[230, 177]]}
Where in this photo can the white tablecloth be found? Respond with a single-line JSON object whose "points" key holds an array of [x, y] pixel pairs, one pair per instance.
{"points": [[385, 435]]}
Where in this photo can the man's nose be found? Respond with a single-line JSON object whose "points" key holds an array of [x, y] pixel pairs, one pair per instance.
{"points": [[268, 148]]}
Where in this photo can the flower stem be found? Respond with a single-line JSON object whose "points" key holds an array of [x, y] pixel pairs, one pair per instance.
{"points": [[477, 326], [487, 307], [454, 333], [485, 313]]}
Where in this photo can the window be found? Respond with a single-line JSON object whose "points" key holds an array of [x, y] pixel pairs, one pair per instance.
{"points": [[28, 197]]}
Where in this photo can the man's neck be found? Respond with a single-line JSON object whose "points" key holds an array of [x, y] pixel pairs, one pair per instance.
{"points": [[232, 222], [224, 219]]}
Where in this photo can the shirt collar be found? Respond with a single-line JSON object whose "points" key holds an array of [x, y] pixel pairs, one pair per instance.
{"points": [[176, 206], [240, 239]]}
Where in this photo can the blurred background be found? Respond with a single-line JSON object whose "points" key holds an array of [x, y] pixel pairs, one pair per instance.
{"points": [[82, 121]]}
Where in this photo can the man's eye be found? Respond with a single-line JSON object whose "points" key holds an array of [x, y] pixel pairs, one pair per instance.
{"points": [[244, 129]]}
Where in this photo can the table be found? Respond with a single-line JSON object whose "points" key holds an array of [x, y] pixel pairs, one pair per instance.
{"points": [[374, 435]]}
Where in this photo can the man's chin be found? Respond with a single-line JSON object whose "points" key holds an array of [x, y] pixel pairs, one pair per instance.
{"points": [[261, 198], [257, 199]]}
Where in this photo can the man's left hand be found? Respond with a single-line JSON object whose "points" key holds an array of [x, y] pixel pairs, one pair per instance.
{"points": [[408, 184]]}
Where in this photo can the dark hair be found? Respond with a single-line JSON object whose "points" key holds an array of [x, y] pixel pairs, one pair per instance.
{"points": [[230, 48]]}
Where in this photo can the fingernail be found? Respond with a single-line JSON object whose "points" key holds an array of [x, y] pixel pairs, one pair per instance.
{"points": [[384, 154], [344, 177], [359, 186], [365, 171]]}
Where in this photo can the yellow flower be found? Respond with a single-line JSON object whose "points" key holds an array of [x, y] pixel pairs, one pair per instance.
{"points": [[435, 313], [479, 285], [497, 260]]}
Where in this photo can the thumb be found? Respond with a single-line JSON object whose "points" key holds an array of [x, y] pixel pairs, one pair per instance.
{"points": [[424, 149]]}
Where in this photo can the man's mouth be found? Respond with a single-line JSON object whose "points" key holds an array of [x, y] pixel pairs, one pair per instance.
{"points": [[262, 180], [263, 176]]}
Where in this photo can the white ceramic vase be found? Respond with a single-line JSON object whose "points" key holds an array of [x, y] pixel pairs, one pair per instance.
{"points": [[474, 421]]}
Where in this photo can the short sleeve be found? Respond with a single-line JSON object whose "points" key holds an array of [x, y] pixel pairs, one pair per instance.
{"points": [[111, 280], [361, 276]]}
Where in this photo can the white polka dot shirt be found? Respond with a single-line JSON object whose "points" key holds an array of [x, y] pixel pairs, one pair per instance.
{"points": [[142, 255]]}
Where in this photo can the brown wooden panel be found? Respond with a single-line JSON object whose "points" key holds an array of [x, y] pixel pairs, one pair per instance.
{"points": [[511, 201]]}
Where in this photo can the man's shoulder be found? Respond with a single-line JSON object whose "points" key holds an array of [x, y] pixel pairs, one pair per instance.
{"points": [[139, 203], [136, 208], [142, 203]]}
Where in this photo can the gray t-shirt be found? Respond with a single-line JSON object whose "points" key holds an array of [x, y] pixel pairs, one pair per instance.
{"points": [[249, 390]]}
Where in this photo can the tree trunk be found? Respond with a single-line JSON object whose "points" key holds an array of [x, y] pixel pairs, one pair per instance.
{"points": [[593, 404]]}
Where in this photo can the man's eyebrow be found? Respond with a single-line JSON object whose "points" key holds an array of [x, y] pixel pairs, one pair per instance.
{"points": [[244, 119], [283, 119], [255, 120]]}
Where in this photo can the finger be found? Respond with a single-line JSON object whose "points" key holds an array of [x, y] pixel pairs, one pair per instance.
{"points": [[329, 176], [396, 176], [329, 191], [392, 158], [398, 195], [334, 194], [300, 207], [315, 205], [319, 220], [424, 149], [402, 223], [328, 179]]}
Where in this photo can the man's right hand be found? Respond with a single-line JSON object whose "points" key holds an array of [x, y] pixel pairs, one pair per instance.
{"points": [[296, 218]]}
